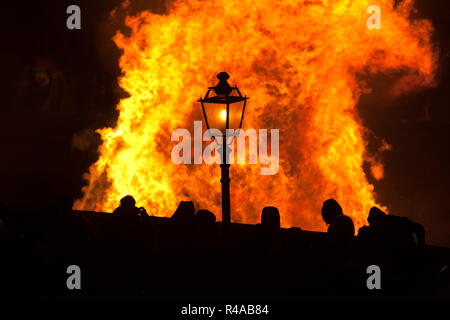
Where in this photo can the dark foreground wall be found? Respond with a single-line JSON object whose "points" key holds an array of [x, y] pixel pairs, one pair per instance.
{"points": [[157, 258]]}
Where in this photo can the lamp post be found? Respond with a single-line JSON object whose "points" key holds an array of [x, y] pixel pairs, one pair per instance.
{"points": [[223, 108]]}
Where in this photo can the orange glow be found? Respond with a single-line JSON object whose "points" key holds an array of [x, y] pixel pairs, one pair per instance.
{"points": [[223, 115], [297, 60], [377, 171]]}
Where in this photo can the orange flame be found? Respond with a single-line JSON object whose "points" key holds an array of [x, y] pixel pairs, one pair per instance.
{"points": [[297, 60]]}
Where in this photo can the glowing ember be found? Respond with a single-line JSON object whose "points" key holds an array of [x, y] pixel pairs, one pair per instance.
{"points": [[297, 60]]}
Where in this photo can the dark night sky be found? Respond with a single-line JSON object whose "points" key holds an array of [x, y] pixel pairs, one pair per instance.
{"points": [[41, 159]]}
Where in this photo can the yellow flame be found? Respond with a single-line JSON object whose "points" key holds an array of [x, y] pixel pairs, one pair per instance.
{"points": [[300, 61]]}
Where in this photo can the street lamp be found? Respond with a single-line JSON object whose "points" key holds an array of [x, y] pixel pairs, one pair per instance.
{"points": [[223, 108]]}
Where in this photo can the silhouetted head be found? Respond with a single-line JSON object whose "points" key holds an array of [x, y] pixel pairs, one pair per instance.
{"points": [[375, 216], [330, 210], [185, 211], [342, 229], [127, 202], [205, 217], [270, 218]]}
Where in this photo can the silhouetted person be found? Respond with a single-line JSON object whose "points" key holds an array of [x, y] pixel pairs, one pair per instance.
{"points": [[391, 240], [266, 254], [180, 234], [343, 267], [330, 210], [270, 218], [342, 230], [268, 232], [204, 218], [392, 230], [185, 212], [128, 208], [205, 233], [375, 217]]}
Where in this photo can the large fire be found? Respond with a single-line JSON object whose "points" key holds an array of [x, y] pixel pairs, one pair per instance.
{"points": [[299, 61]]}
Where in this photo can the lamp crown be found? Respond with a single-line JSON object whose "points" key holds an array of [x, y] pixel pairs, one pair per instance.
{"points": [[223, 76], [223, 88]]}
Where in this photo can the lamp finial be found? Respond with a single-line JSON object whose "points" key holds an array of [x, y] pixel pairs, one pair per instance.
{"points": [[223, 88]]}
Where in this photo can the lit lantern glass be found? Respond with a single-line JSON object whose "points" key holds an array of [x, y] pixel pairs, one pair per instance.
{"points": [[223, 106]]}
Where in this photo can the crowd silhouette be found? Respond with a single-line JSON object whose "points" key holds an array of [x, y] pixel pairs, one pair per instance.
{"points": [[129, 253]]}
